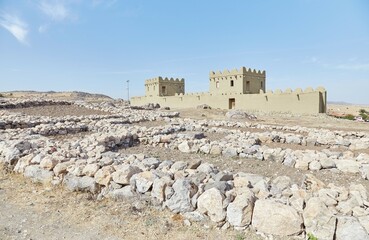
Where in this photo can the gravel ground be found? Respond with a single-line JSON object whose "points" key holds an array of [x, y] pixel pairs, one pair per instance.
{"points": [[58, 111]]}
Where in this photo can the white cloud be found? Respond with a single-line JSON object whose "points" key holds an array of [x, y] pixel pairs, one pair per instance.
{"points": [[56, 10], [15, 26], [359, 66], [43, 28], [311, 60]]}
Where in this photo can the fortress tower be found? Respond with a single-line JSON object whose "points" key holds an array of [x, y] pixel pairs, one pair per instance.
{"points": [[242, 88], [164, 87], [245, 81]]}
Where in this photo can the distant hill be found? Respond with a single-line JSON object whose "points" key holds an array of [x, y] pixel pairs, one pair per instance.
{"points": [[72, 95], [339, 103], [346, 103]]}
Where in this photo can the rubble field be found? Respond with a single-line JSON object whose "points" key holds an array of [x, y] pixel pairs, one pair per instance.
{"points": [[82, 170]]}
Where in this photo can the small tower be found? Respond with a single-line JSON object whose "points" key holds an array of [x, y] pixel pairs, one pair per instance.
{"points": [[164, 87], [245, 80]]}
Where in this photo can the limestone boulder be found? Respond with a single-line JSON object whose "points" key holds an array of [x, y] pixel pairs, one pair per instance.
{"points": [[184, 147], [215, 150], [103, 175], [348, 166], [61, 168], [179, 165], [48, 163], [158, 189], [38, 174], [239, 212], [22, 163], [364, 171], [279, 184], [180, 199], [122, 193], [142, 182], [275, 218], [83, 184], [230, 152], [349, 228], [364, 221], [90, 169], [124, 173], [211, 204], [318, 219]]}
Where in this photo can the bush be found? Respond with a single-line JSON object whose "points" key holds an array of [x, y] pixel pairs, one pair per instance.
{"points": [[364, 116], [349, 117], [363, 111], [312, 237], [240, 236], [1, 95]]}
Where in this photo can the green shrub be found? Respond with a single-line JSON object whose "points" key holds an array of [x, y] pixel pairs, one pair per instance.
{"points": [[349, 117], [1, 95], [363, 111], [312, 237], [240, 236], [364, 116]]}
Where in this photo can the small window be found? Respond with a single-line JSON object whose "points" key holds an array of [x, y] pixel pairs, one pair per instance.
{"points": [[232, 83], [261, 84], [217, 84]]}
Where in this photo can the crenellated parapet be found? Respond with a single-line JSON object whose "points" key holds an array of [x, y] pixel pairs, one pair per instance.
{"points": [[164, 80], [234, 72], [297, 90]]}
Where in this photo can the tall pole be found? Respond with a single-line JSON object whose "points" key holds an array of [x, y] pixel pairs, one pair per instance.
{"points": [[128, 90]]}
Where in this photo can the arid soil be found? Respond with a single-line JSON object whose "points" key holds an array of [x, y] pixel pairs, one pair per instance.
{"points": [[57, 111], [32, 211]]}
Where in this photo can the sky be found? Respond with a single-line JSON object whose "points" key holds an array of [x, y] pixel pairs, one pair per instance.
{"points": [[97, 45]]}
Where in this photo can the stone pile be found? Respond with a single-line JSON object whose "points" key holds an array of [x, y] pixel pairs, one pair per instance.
{"points": [[198, 190], [24, 103]]}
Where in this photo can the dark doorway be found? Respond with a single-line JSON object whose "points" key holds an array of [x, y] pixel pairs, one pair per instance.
{"points": [[232, 103]]}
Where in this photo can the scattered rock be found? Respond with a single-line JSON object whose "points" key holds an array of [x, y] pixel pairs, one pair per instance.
{"points": [[180, 201], [349, 228], [211, 204], [272, 217], [239, 211]]}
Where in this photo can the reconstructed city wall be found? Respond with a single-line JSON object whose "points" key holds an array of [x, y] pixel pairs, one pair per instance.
{"points": [[309, 101]]}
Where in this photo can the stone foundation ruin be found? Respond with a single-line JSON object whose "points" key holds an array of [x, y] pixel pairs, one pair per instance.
{"points": [[196, 189]]}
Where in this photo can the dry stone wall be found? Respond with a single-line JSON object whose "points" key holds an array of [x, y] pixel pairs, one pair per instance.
{"points": [[196, 189]]}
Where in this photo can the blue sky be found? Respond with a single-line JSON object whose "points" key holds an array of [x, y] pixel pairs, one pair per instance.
{"points": [[96, 45]]}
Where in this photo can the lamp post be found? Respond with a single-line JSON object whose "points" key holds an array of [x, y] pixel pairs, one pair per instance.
{"points": [[128, 90]]}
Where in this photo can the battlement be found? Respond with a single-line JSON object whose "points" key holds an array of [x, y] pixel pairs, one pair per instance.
{"points": [[164, 80], [241, 71], [296, 91]]}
